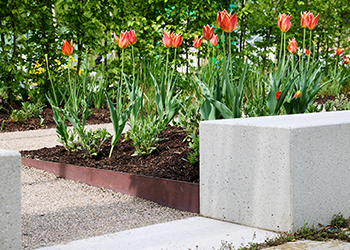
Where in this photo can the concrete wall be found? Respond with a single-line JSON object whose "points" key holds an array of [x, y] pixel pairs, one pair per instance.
{"points": [[277, 172], [10, 200]]}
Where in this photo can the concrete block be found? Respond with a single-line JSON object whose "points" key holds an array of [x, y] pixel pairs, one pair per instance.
{"points": [[276, 172], [10, 200]]}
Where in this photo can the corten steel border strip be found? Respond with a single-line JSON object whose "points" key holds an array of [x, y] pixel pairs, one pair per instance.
{"points": [[175, 194]]}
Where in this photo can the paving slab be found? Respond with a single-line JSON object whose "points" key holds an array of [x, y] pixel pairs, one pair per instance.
{"points": [[195, 233]]}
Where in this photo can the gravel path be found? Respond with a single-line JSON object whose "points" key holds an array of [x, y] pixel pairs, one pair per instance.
{"points": [[56, 211]]}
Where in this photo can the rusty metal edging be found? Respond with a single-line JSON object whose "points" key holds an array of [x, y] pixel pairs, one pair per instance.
{"points": [[175, 194]]}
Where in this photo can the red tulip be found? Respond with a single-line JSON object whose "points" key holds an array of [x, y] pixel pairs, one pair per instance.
{"points": [[132, 37], [303, 18], [339, 51], [297, 94], [124, 39], [214, 41], [346, 60], [67, 48], [208, 32], [197, 42], [292, 46], [278, 93], [167, 40], [226, 22], [177, 40], [311, 21], [284, 22], [307, 52]]}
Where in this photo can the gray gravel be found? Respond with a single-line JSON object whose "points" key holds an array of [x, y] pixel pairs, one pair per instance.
{"points": [[56, 211]]}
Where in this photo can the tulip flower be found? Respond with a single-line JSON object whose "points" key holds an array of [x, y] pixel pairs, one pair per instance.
{"points": [[208, 32], [303, 18], [132, 37], [177, 40], [284, 22], [297, 94], [67, 48], [167, 40], [197, 42], [346, 60], [226, 21], [311, 21], [278, 93], [214, 41], [124, 39], [307, 52], [339, 51], [292, 46]]}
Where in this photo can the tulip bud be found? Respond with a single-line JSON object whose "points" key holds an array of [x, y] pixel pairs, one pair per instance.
{"points": [[66, 48], [124, 39], [214, 41], [167, 39], [303, 18], [278, 93], [284, 22], [339, 51], [226, 22], [177, 40], [307, 52], [197, 42], [297, 94], [346, 60], [292, 46], [132, 37], [208, 32], [311, 21]]}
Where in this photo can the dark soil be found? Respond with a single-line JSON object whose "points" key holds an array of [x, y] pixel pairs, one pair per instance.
{"points": [[165, 162], [97, 116]]}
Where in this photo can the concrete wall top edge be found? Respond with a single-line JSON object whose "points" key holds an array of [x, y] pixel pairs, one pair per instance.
{"points": [[6, 152], [289, 121]]}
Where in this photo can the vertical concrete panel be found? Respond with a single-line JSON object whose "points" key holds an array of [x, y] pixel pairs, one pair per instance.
{"points": [[10, 200]]}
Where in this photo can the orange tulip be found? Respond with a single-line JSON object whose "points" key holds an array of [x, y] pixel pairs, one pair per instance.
{"points": [[177, 40], [226, 22], [303, 18], [346, 60], [292, 46], [132, 37], [67, 48], [307, 52], [197, 42], [311, 21], [167, 40], [208, 32], [278, 93], [284, 22], [214, 41], [297, 94], [124, 39], [339, 51]]}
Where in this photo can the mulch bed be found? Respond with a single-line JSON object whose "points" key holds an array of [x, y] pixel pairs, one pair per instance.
{"points": [[165, 162], [97, 116]]}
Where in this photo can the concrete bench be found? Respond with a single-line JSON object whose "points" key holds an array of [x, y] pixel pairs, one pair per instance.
{"points": [[10, 200], [276, 172]]}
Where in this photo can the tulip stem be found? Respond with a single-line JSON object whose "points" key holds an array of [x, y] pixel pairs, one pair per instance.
{"points": [[166, 65], [308, 59], [224, 48], [209, 57], [302, 65], [133, 63], [230, 59], [284, 49], [121, 76], [172, 73], [53, 89], [280, 58]]}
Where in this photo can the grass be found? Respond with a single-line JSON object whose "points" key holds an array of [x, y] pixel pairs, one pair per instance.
{"points": [[339, 229]]}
